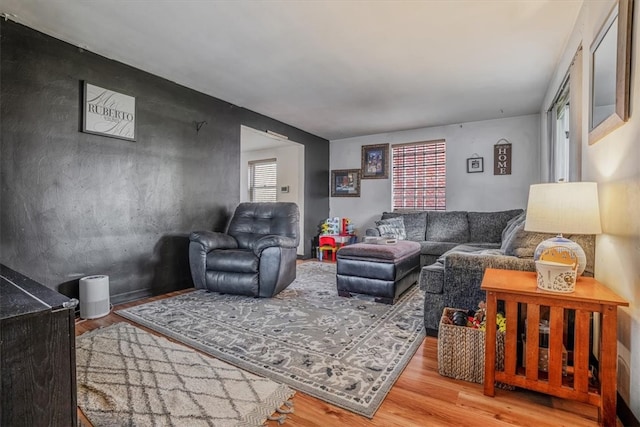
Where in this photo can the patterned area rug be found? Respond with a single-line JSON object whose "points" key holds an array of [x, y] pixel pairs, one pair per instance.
{"points": [[346, 351], [129, 377]]}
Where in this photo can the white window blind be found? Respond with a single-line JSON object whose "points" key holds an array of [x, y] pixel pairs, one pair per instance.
{"points": [[419, 176], [263, 177]]}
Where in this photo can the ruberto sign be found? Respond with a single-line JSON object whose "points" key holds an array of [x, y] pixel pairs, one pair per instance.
{"points": [[109, 113]]}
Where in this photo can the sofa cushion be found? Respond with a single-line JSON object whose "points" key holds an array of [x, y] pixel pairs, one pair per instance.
{"points": [[415, 223], [436, 248], [488, 226], [447, 226], [392, 227]]}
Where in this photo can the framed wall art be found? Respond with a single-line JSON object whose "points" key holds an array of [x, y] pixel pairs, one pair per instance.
{"points": [[108, 113], [375, 161], [345, 183], [475, 164]]}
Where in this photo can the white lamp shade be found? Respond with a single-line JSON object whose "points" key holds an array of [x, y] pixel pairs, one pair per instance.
{"points": [[564, 207]]}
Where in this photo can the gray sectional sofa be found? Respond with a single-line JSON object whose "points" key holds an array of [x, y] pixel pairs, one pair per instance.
{"points": [[440, 231], [458, 246]]}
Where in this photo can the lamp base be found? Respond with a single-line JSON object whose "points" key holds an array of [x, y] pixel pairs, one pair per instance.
{"points": [[565, 243]]}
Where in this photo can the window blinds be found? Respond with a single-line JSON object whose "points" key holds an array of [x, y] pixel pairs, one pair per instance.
{"points": [[263, 176], [419, 176]]}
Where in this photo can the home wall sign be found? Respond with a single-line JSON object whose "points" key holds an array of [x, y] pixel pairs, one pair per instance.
{"points": [[108, 113], [502, 157]]}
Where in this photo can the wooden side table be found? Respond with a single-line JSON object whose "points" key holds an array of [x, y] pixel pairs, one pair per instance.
{"points": [[519, 288]]}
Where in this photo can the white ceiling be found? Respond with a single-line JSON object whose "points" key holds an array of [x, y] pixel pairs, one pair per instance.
{"points": [[333, 68]]}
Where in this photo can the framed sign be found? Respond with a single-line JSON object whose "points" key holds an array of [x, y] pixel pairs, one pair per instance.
{"points": [[475, 164], [502, 158], [375, 161], [108, 113], [345, 183]]}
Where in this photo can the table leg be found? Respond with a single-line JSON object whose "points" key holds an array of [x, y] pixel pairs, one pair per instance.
{"points": [[490, 345], [608, 376]]}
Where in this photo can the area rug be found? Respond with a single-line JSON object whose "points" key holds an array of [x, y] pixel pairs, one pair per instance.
{"points": [[129, 377], [345, 351]]}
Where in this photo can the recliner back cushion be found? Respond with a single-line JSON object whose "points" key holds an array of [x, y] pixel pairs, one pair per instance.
{"points": [[254, 220], [488, 226], [415, 223], [447, 226]]}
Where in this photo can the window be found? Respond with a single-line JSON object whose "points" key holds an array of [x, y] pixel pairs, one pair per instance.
{"points": [[263, 176], [560, 155], [565, 126], [419, 175]]}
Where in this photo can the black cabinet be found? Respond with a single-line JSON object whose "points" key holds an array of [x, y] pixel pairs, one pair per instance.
{"points": [[37, 354]]}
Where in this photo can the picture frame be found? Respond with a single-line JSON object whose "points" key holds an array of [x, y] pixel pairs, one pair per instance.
{"points": [[345, 183], [475, 164], [108, 113], [375, 161]]}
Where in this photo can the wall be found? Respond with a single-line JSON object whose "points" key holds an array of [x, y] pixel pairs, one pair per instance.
{"points": [[289, 160], [75, 204], [613, 162], [465, 191]]}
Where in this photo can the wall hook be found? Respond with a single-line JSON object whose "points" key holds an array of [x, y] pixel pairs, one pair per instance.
{"points": [[199, 125]]}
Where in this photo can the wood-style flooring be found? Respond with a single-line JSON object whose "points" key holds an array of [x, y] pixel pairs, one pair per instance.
{"points": [[421, 398]]}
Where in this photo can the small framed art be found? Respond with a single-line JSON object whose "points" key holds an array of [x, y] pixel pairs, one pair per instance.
{"points": [[345, 183], [475, 164], [375, 161]]}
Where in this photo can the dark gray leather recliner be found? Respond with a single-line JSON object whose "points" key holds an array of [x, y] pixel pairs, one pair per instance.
{"points": [[255, 257]]}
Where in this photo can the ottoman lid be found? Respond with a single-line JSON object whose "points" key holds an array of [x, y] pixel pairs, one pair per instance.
{"points": [[391, 252]]}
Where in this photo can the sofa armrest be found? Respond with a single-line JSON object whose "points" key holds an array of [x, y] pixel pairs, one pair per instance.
{"points": [[480, 262], [372, 232], [273, 240], [211, 240]]}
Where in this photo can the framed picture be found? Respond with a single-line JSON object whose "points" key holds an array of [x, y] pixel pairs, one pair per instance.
{"points": [[345, 183], [108, 113], [375, 161], [475, 164]]}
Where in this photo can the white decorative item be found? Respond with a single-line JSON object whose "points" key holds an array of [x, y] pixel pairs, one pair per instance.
{"points": [[564, 207], [556, 276], [94, 297]]}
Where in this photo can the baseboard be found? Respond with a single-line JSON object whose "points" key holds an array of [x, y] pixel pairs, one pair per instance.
{"points": [[131, 296], [625, 415]]}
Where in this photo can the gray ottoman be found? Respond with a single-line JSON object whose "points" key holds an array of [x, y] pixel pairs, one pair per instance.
{"points": [[382, 271]]}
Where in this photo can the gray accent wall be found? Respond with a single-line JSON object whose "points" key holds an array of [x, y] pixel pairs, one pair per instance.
{"points": [[76, 204]]}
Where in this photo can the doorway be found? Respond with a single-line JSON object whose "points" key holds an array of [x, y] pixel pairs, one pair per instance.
{"points": [[256, 146]]}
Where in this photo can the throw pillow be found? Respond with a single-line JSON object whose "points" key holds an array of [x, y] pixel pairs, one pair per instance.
{"points": [[522, 244], [507, 233], [415, 223], [392, 228]]}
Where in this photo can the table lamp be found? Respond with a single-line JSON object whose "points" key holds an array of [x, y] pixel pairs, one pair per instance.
{"points": [[563, 207]]}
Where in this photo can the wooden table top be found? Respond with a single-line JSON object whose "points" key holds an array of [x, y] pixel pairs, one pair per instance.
{"points": [[587, 289]]}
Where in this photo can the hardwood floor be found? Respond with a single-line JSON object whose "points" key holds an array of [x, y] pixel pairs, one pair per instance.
{"points": [[420, 397]]}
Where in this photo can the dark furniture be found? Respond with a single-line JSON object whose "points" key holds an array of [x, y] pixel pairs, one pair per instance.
{"points": [[382, 271], [255, 257], [454, 279], [440, 231], [37, 354]]}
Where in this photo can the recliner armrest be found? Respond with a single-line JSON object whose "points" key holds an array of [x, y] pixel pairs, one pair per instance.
{"points": [[273, 240], [211, 240]]}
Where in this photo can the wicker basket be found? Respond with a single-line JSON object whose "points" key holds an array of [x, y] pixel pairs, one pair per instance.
{"points": [[461, 351]]}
